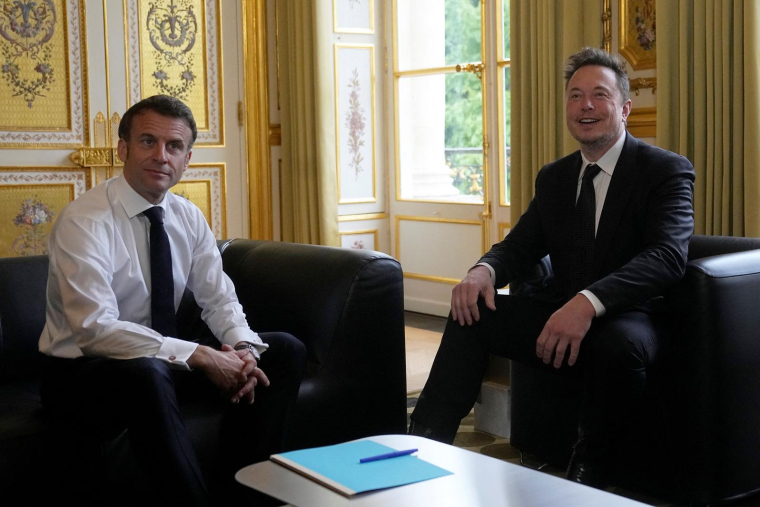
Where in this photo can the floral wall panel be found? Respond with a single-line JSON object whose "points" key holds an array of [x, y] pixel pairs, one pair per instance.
{"points": [[174, 49], [204, 185], [354, 16], [637, 33], [43, 74], [359, 240], [355, 122], [30, 201]]}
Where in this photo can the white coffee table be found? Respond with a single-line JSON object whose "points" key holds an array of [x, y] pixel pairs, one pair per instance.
{"points": [[477, 481]]}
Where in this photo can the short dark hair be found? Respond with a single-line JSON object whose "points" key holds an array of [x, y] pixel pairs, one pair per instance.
{"points": [[594, 56], [163, 105]]}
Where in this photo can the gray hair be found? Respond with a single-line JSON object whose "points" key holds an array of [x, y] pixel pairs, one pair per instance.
{"points": [[594, 56]]}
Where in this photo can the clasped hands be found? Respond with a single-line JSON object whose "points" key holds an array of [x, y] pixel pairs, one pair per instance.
{"points": [[562, 333], [234, 372]]}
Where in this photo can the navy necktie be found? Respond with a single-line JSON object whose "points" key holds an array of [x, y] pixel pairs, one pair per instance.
{"points": [[163, 317], [584, 222]]}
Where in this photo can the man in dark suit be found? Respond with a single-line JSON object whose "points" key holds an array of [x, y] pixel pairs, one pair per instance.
{"points": [[615, 218]]}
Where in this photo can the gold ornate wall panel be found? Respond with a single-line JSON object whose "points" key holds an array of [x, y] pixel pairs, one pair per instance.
{"points": [[31, 198], [205, 186], [638, 41], [642, 122], [43, 74], [174, 48]]}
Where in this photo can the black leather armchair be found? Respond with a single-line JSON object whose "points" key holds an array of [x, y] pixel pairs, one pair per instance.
{"points": [[697, 437], [345, 305]]}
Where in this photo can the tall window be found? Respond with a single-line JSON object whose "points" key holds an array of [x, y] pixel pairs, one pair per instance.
{"points": [[439, 80]]}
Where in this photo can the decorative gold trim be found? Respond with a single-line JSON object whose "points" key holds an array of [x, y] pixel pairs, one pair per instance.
{"points": [[439, 201], [361, 200], [371, 47], [430, 71], [642, 122], [77, 60], [649, 62], [607, 26], [472, 68], [363, 231], [365, 216], [47, 168], [410, 218], [257, 118], [222, 166], [371, 28], [279, 198], [100, 131], [503, 226], [277, 51], [643, 82], [115, 121], [220, 143], [275, 134], [93, 157], [432, 278], [213, 135]]}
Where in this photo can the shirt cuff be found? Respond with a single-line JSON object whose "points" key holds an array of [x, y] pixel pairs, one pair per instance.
{"points": [[598, 306], [176, 352], [490, 269], [236, 335]]}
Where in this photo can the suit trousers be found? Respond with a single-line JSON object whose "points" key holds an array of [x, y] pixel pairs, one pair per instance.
{"points": [[97, 398], [612, 364]]}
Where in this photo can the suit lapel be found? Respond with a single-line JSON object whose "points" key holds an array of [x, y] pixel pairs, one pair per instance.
{"points": [[618, 194], [566, 198]]}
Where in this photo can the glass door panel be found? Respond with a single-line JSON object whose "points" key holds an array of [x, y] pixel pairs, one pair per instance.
{"points": [[504, 104], [505, 136], [505, 29], [435, 33], [440, 122]]}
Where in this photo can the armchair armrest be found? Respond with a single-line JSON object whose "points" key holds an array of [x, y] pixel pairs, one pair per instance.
{"points": [[716, 373], [346, 306]]}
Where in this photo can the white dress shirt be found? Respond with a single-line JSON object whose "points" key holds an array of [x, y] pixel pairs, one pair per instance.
{"points": [[607, 164], [99, 279]]}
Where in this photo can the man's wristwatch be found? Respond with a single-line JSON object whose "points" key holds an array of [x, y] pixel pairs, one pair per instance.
{"points": [[250, 347]]}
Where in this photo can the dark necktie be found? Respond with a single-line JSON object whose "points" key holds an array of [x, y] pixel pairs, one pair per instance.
{"points": [[583, 234], [163, 318]]}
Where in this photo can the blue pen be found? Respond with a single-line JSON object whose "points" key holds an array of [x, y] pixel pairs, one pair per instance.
{"points": [[394, 454]]}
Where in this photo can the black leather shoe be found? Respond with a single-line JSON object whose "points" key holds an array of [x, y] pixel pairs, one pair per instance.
{"points": [[420, 430], [583, 469]]}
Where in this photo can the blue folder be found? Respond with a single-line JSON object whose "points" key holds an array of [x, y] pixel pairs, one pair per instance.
{"points": [[337, 467]]}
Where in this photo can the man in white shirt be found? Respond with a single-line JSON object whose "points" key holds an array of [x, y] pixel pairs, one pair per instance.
{"points": [[616, 218], [108, 366]]}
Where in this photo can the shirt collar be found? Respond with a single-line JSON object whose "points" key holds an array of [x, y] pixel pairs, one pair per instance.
{"points": [[134, 203], [609, 160]]}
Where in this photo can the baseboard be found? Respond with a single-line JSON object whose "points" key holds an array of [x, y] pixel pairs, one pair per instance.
{"points": [[427, 306]]}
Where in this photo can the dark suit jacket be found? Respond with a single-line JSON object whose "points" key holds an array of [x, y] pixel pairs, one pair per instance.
{"points": [[643, 235]]}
